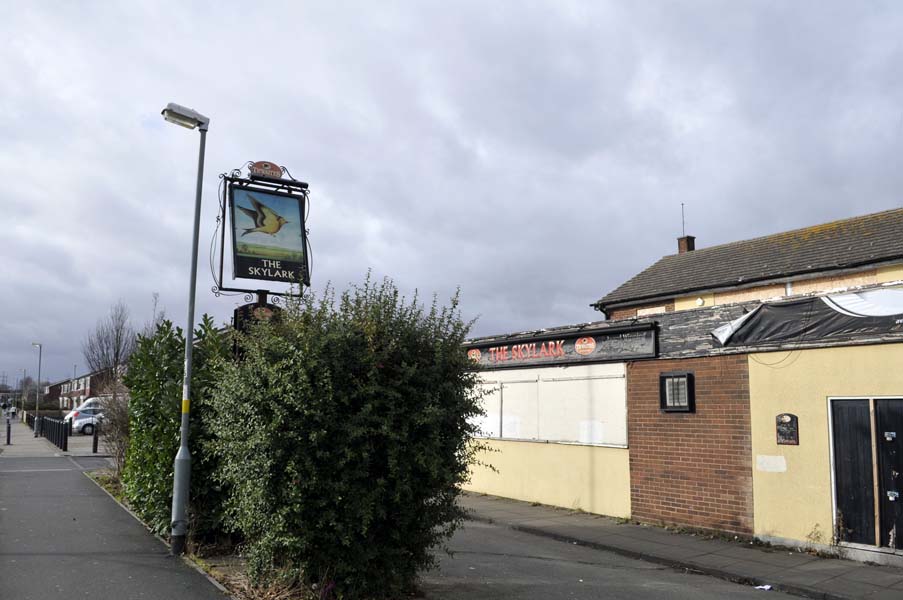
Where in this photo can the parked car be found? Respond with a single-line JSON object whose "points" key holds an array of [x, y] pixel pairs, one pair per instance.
{"points": [[85, 416], [93, 402], [86, 420]]}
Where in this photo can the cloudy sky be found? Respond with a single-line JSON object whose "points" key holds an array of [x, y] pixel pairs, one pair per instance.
{"points": [[534, 154]]}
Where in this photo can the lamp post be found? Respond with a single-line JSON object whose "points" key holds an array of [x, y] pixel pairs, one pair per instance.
{"points": [[190, 119], [37, 394]]}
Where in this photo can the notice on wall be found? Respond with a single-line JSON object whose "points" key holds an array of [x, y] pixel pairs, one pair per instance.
{"points": [[787, 427], [771, 464]]}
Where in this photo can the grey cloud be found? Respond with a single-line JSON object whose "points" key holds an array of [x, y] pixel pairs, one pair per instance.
{"points": [[535, 155]]}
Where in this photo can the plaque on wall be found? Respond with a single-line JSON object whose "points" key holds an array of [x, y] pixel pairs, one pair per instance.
{"points": [[787, 427]]}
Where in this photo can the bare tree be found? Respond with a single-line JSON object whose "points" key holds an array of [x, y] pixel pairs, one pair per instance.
{"points": [[112, 342], [107, 351]]}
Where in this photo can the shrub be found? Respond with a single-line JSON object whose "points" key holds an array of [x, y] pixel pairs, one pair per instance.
{"points": [[344, 434], [155, 381], [115, 430]]}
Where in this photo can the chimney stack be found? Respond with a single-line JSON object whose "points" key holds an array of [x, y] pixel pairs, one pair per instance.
{"points": [[686, 244]]}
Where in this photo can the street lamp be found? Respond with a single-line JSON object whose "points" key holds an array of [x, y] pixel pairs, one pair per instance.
{"points": [[186, 117], [37, 394]]}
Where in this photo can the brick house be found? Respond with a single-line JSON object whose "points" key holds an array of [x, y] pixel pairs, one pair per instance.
{"points": [[697, 468], [51, 395], [745, 435], [78, 389]]}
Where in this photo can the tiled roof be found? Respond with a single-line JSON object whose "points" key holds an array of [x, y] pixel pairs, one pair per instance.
{"points": [[849, 243]]}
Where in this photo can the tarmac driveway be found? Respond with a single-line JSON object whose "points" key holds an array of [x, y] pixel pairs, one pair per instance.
{"points": [[493, 562]]}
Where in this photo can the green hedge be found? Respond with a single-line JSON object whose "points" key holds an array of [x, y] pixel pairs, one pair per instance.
{"points": [[154, 380], [344, 434], [334, 447]]}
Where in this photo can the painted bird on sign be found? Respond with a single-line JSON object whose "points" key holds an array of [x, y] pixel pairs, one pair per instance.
{"points": [[265, 219]]}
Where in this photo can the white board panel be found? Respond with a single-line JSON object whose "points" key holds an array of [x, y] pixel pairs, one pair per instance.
{"points": [[520, 410], [490, 422], [584, 404], [566, 404]]}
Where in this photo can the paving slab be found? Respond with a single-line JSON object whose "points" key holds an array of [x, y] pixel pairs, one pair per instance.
{"points": [[875, 576], [845, 588]]}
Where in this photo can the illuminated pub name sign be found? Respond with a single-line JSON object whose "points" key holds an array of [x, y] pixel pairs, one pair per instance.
{"points": [[613, 343]]}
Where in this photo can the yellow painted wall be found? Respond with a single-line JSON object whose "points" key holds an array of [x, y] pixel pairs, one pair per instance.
{"points": [[590, 478], [832, 284], [688, 302], [796, 503], [891, 273]]}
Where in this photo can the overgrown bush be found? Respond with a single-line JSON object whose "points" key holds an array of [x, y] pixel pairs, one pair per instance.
{"points": [[115, 429], [344, 434], [155, 381]]}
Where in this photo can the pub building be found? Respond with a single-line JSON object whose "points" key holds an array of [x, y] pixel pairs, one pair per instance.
{"points": [[752, 388]]}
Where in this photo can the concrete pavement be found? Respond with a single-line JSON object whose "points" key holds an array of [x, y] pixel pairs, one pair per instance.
{"points": [[24, 444], [798, 573], [62, 536]]}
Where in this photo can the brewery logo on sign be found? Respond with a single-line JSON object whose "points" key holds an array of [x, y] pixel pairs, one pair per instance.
{"points": [[474, 355], [262, 168], [585, 346]]}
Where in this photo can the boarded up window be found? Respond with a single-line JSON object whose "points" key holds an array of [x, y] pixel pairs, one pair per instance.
{"points": [[582, 404]]}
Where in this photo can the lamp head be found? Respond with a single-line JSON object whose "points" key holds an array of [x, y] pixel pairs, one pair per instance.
{"points": [[185, 117]]}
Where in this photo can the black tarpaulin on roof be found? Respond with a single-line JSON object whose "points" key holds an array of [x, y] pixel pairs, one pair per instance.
{"points": [[830, 318]]}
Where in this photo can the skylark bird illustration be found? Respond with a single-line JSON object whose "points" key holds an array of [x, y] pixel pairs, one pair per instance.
{"points": [[265, 219]]}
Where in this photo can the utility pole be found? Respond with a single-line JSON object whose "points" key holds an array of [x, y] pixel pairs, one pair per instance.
{"points": [[37, 392]]}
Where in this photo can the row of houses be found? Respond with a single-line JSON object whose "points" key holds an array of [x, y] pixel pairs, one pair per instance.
{"points": [[66, 394], [752, 388]]}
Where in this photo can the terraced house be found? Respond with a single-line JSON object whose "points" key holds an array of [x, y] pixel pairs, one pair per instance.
{"points": [[754, 387]]}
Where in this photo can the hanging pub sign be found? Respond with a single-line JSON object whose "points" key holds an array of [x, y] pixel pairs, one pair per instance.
{"points": [[269, 237], [603, 344]]}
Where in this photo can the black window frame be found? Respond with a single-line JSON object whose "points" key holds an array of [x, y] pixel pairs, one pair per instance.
{"points": [[663, 393]]}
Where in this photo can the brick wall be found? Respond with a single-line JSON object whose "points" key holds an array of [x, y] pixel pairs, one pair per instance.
{"points": [[692, 469]]}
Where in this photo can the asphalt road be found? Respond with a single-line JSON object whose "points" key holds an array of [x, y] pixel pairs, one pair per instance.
{"points": [[62, 537], [491, 562]]}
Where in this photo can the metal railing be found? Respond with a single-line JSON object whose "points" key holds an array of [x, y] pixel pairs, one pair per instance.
{"points": [[56, 431]]}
